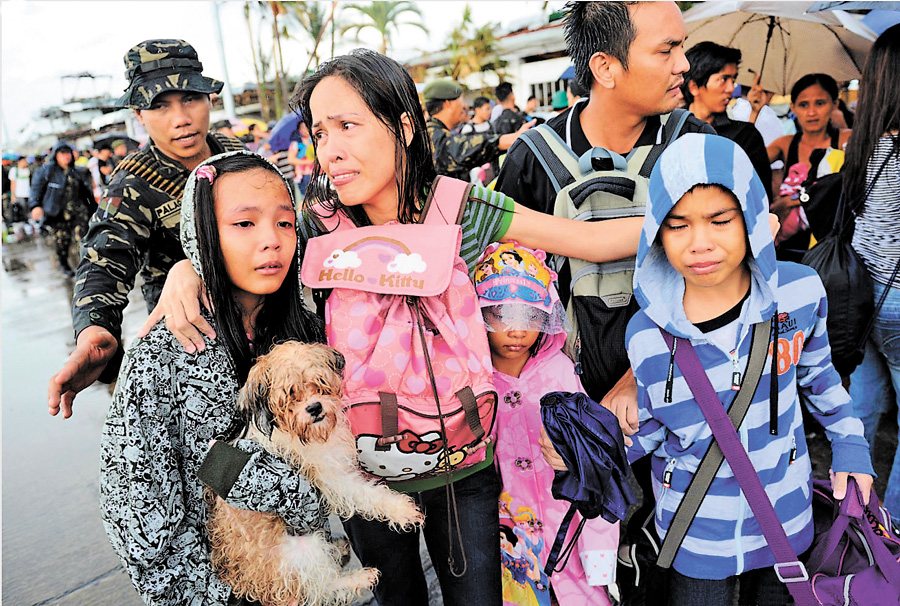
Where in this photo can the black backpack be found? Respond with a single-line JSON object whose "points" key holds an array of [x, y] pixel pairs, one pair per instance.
{"points": [[598, 296], [848, 286]]}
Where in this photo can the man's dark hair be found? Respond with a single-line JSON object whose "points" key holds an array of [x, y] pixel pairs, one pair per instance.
{"points": [[479, 101], [434, 106], [503, 91], [707, 58], [576, 89], [597, 27]]}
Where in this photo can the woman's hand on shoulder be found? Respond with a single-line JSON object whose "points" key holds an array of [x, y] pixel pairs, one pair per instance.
{"points": [[179, 306]]}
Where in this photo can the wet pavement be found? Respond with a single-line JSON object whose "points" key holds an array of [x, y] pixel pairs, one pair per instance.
{"points": [[54, 549]]}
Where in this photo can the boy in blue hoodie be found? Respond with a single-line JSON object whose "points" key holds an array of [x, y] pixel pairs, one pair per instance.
{"points": [[706, 272]]}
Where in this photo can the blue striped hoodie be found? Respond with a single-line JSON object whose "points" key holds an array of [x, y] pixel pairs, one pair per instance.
{"points": [[724, 538]]}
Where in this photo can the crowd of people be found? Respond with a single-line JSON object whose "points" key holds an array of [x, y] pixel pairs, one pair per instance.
{"points": [[696, 220]]}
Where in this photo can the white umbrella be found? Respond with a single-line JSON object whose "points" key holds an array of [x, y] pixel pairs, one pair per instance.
{"points": [[782, 41], [853, 5]]}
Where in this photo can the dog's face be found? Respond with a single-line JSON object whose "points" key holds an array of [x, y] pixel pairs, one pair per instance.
{"points": [[295, 388]]}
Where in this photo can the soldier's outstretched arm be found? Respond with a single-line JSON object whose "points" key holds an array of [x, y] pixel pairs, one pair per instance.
{"points": [[94, 349]]}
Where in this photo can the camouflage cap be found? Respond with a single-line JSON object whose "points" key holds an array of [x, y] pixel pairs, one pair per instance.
{"points": [[442, 89], [158, 66]]}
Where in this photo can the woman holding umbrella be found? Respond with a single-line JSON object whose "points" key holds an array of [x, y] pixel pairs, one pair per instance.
{"points": [[875, 147], [813, 99]]}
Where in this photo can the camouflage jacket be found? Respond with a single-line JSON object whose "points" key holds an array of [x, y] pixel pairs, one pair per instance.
{"points": [[135, 229], [456, 155]]}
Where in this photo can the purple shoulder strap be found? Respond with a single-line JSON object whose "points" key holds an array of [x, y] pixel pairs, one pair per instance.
{"points": [[788, 567]]}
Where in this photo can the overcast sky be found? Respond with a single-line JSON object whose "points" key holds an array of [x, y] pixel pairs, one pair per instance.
{"points": [[45, 39]]}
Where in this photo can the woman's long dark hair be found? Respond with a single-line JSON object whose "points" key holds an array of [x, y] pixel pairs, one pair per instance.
{"points": [[282, 316], [877, 111], [389, 92]]}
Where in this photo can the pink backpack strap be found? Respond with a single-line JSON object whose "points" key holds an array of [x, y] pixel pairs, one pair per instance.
{"points": [[446, 202]]}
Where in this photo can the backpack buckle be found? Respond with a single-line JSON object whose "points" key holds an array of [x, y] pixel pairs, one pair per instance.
{"points": [[601, 159], [804, 575]]}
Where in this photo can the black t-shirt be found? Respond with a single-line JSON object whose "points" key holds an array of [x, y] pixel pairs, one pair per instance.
{"points": [[750, 140], [509, 121], [523, 178], [725, 319]]}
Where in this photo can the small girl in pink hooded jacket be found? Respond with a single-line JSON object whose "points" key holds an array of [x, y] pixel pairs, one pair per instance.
{"points": [[526, 330]]}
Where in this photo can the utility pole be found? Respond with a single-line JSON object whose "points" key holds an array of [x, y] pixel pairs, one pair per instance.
{"points": [[228, 96]]}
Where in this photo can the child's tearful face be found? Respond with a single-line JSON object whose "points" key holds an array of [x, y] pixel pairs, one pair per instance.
{"points": [[705, 239]]}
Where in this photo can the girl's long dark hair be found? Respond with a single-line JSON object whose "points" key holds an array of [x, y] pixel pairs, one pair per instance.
{"points": [[282, 316], [389, 92], [877, 111]]}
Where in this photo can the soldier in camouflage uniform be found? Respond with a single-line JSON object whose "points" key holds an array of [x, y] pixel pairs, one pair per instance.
{"points": [[455, 155], [136, 227], [62, 196]]}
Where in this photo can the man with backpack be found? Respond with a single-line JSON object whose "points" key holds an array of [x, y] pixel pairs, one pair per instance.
{"points": [[634, 80], [62, 197]]}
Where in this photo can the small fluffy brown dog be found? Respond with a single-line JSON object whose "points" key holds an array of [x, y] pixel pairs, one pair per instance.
{"points": [[292, 401]]}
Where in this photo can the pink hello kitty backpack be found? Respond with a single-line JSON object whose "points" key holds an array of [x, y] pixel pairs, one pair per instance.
{"points": [[418, 387]]}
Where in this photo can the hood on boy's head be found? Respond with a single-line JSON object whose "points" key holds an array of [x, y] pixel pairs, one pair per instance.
{"points": [[188, 228], [691, 160]]}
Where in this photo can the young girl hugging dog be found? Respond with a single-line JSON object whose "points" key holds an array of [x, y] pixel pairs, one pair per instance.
{"points": [[238, 229]]}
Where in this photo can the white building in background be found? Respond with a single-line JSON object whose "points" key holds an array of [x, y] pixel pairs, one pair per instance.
{"points": [[536, 54]]}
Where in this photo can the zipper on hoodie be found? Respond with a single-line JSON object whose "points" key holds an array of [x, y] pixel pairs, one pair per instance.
{"points": [[666, 486], [735, 370], [667, 474], [577, 347], [793, 456]]}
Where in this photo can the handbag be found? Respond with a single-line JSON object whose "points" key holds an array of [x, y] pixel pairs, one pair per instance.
{"points": [[820, 199], [851, 563], [848, 286]]}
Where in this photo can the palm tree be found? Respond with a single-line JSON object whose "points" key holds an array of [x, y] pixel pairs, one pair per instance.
{"points": [[260, 75], [314, 19], [268, 13], [281, 92], [385, 18], [473, 51]]}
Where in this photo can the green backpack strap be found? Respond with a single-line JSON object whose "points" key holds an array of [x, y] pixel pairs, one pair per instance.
{"points": [[669, 130], [559, 161]]}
